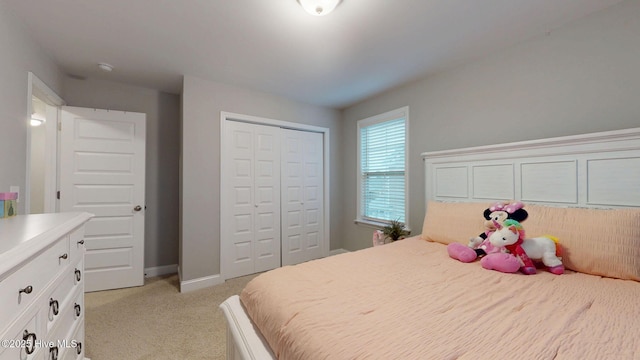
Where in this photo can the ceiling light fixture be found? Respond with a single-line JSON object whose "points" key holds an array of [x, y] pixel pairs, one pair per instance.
{"points": [[319, 7], [105, 67]]}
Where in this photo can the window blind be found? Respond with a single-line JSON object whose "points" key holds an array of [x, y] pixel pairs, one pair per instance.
{"points": [[382, 156]]}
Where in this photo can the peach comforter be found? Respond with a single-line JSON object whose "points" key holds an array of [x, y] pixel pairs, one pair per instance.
{"points": [[409, 300]]}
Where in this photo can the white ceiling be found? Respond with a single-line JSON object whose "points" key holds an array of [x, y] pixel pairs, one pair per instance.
{"points": [[363, 48]]}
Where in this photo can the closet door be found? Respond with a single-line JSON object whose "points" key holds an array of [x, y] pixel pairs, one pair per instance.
{"points": [[250, 214], [302, 196]]}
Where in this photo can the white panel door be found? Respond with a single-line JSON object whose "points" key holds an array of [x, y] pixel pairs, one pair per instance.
{"points": [[302, 196], [102, 171], [250, 194]]}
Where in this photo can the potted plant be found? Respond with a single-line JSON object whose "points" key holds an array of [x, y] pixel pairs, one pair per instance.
{"points": [[395, 230]]}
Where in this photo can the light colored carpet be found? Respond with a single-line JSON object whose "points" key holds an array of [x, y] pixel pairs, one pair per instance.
{"points": [[156, 321]]}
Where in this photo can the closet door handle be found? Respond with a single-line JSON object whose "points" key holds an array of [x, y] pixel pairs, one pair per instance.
{"points": [[79, 348], [77, 308], [137, 208], [78, 275], [26, 290], [63, 256]]}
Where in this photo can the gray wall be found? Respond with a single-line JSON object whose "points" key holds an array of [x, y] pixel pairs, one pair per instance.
{"points": [[19, 54], [162, 153], [202, 102], [578, 79]]}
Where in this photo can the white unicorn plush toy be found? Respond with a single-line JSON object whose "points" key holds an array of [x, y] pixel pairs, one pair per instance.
{"points": [[545, 248]]}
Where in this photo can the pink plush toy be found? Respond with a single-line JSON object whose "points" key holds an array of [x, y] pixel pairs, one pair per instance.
{"points": [[480, 245], [503, 262], [545, 249]]}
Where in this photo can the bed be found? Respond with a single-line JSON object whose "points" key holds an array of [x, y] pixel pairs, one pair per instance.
{"points": [[410, 300]]}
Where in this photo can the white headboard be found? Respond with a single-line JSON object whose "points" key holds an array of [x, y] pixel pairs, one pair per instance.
{"points": [[598, 170]]}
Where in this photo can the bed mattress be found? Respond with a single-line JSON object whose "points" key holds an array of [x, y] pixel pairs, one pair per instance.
{"points": [[409, 300]]}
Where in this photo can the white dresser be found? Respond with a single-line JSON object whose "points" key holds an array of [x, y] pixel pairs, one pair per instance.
{"points": [[42, 286]]}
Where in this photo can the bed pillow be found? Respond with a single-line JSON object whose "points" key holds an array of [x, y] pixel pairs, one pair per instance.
{"points": [[594, 241], [453, 222]]}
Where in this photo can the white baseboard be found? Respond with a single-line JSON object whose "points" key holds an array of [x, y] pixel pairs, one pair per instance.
{"points": [[213, 280], [200, 283], [337, 251], [161, 270]]}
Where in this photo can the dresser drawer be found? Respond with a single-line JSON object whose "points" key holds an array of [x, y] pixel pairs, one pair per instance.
{"points": [[76, 349], [22, 287], [71, 319], [61, 294], [23, 340], [71, 315], [70, 346]]}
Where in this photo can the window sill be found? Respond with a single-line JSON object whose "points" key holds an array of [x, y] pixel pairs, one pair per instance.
{"points": [[373, 224]]}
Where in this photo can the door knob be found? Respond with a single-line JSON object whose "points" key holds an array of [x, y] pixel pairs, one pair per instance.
{"points": [[137, 208]]}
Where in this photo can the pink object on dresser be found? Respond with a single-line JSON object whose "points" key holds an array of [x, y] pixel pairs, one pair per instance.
{"points": [[8, 204], [8, 196]]}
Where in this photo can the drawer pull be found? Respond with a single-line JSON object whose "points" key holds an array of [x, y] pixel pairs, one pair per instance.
{"points": [[63, 256], [53, 353], [76, 306], [55, 306], [78, 275], [81, 242], [29, 342], [26, 290], [79, 348]]}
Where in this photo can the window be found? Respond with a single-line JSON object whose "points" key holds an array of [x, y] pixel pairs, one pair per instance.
{"points": [[382, 170]]}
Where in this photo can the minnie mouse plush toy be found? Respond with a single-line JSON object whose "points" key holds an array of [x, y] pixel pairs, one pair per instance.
{"points": [[480, 246]]}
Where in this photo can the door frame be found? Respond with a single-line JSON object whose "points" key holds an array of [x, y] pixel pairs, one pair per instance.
{"points": [[229, 116], [38, 88]]}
